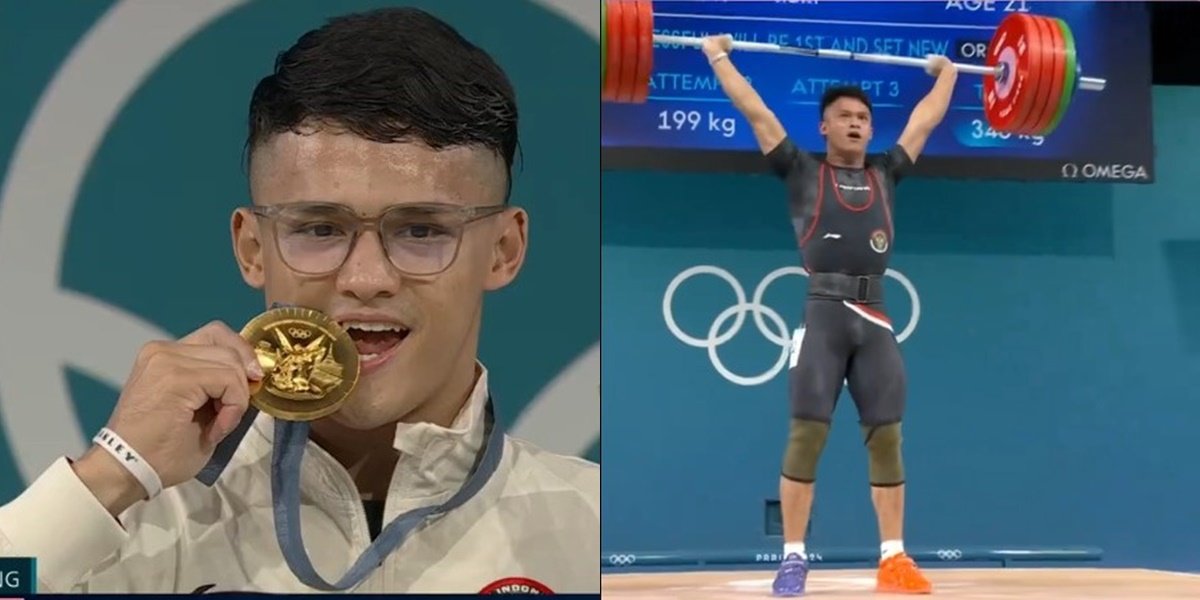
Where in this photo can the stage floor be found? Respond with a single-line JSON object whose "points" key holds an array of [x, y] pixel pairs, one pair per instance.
{"points": [[975, 584]]}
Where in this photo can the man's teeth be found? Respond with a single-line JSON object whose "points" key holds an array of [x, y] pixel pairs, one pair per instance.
{"points": [[373, 326]]}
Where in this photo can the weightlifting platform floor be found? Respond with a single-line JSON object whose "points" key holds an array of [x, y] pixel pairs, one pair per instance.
{"points": [[957, 583]]}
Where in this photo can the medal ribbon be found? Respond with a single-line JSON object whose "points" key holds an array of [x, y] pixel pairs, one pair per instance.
{"points": [[291, 437], [290, 440]]}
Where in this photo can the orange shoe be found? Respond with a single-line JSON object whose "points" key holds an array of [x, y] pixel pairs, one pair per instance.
{"points": [[898, 574]]}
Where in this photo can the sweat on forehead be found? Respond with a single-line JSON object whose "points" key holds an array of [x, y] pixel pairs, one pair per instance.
{"points": [[340, 167]]}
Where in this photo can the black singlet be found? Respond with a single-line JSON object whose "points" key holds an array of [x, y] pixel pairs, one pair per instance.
{"points": [[842, 216]]}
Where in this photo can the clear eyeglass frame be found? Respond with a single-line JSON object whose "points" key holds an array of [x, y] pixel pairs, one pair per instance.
{"points": [[452, 217]]}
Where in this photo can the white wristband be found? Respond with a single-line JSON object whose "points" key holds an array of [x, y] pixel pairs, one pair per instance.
{"points": [[130, 459], [714, 59]]}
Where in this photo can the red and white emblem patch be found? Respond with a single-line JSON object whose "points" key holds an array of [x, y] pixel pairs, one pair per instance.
{"points": [[516, 585], [879, 241]]}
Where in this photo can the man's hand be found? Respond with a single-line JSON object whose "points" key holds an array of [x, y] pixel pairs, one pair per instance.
{"points": [[937, 64], [714, 45], [180, 401]]}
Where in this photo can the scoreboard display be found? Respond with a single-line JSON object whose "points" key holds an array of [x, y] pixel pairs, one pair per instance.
{"points": [[689, 124]]}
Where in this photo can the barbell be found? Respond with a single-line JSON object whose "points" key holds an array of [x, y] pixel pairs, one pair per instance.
{"points": [[1030, 75]]}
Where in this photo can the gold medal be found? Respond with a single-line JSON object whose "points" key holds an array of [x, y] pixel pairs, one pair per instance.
{"points": [[309, 362]]}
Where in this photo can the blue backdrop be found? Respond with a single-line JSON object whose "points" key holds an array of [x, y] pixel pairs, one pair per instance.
{"points": [[1052, 368]]}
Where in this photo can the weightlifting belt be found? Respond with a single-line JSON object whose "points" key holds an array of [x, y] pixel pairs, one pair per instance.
{"points": [[840, 286]]}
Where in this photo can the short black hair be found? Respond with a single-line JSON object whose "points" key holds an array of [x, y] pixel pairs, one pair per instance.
{"points": [[844, 91], [389, 75]]}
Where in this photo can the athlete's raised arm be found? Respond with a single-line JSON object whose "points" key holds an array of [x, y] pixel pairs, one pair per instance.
{"points": [[928, 113], [767, 129]]}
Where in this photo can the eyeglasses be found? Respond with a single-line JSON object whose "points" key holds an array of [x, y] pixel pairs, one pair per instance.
{"points": [[316, 238]]}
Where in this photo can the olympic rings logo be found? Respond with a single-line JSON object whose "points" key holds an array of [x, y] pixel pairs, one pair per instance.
{"points": [[950, 554], [621, 560], [776, 334]]}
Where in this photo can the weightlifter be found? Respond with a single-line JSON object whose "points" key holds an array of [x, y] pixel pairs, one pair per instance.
{"points": [[841, 209]]}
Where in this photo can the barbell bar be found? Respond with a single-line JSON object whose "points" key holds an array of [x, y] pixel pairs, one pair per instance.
{"points": [[1030, 75], [1085, 83]]}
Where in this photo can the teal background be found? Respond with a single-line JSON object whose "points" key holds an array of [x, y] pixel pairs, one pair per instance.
{"points": [[149, 231], [1052, 375]]}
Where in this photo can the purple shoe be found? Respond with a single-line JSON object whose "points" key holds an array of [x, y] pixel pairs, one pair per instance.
{"points": [[793, 573]]}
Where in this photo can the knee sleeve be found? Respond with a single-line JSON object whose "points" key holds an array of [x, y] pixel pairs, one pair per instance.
{"points": [[886, 466], [806, 440]]}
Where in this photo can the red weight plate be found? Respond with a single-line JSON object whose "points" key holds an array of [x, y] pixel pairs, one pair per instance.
{"points": [[616, 24], [630, 49], [612, 73], [641, 87], [1005, 101], [609, 50], [1038, 91], [620, 8], [634, 34], [1033, 50], [1028, 104], [999, 90], [1046, 72], [1034, 89], [620, 37], [1053, 81]]}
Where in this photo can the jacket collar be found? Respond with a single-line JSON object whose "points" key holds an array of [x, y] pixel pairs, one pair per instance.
{"points": [[434, 461]]}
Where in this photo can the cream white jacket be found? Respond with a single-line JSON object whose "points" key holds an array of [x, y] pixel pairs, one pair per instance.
{"points": [[538, 517]]}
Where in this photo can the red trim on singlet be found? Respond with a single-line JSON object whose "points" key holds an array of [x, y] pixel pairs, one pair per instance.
{"points": [[886, 211], [838, 191], [817, 213], [874, 313], [869, 315]]}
